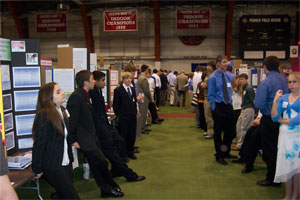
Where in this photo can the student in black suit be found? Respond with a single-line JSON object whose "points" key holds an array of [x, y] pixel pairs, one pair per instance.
{"points": [[106, 134], [52, 151], [83, 131], [125, 108]]}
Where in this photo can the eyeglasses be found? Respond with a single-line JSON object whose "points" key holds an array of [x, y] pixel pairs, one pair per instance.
{"points": [[292, 82]]}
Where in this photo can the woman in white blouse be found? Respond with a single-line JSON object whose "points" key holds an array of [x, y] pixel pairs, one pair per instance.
{"points": [[52, 151]]}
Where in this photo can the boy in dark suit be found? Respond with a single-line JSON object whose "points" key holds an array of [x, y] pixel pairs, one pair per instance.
{"points": [[107, 136], [82, 129], [125, 108]]}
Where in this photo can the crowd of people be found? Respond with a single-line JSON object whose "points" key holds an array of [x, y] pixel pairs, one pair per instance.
{"points": [[238, 118], [228, 110]]}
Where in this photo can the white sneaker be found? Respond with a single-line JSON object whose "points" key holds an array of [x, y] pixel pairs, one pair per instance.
{"points": [[208, 136], [86, 171], [205, 134]]}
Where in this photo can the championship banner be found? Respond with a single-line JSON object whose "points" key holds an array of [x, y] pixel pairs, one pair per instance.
{"points": [[124, 20], [51, 22], [193, 18]]}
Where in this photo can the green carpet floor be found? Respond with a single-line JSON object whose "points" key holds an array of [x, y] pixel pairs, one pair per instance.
{"points": [[179, 164]]}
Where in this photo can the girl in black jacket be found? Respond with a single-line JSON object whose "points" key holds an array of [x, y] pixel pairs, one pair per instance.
{"points": [[52, 151]]}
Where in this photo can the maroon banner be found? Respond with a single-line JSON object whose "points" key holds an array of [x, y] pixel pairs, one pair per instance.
{"points": [[51, 22], [193, 18], [124, 20]]}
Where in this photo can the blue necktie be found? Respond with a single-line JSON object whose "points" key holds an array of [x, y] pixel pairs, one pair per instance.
{"points": [[226, 96], [129, 93]]}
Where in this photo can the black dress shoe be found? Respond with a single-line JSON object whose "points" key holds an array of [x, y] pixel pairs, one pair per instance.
{"points": [[266, 182], [149, 130], [160, 120], [132, 157], [136, 151], [145, 132], [136, 179], [221, 161], [156, 122], [148, 125], [247, 169], [112, 193], [136, 147], [230, 156], [240, 160], [126, 160]]}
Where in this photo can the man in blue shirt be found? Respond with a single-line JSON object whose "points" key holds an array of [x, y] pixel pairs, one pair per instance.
{"points": [[219, 97], [269, 129]]}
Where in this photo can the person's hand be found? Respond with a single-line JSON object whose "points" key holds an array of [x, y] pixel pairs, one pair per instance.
{"points": [[255, 122], [278, 94], [139, 97], [76, 145], [37, 176]]}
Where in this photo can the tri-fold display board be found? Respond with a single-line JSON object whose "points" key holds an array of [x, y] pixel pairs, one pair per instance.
{"points": [[21, 80]]}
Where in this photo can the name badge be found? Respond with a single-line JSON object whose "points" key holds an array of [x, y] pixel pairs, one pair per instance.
{"points": [[67, 113], [284, 104], [244, 92], [229, 85]]}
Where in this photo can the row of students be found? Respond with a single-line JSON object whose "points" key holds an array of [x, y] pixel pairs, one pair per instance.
{"points": [[84, 126]]}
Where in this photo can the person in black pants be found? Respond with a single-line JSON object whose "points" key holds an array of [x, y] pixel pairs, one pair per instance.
{"points": [[106, 134], [250, 147], [263, 101], [52, 149], [82, 129], [220, 99], [125, 108]]}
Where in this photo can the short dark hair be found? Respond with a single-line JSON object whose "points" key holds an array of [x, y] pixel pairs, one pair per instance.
{"points": [[98, 75], [155, 71], [175, 72], [149, 70], [229, 68], [245, 76], [212, 64], [161, 70], [272, 63], [130, 68], [83, 75], [144, 68], [198, 68], [220, 58]]}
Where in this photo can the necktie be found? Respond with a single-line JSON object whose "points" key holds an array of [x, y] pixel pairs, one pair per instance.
{"points": [[226, 97], [128, 91]]}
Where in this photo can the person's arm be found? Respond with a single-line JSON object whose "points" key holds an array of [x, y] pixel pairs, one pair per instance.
{"points": [[6, 190], [73, 106], [260, 100], [211, 92], [41, 130], [276, 106], [146, 90], [204, 84], [116, 102]]}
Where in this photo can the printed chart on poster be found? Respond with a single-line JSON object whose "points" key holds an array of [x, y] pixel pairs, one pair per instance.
{"points": [[18, 46], [26, 77], [65, 79], [25, 143], [5, 76], [10, 140], [25, 100], [24, 124]]}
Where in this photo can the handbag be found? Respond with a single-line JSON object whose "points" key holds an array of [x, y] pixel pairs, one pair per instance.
{"points": [[194, 101]]}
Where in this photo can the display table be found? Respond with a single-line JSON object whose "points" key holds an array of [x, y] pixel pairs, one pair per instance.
{"points": [[20, 177]]}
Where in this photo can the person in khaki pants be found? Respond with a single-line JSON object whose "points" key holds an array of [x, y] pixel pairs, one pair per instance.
{"points": [[181, 83], [211, 67]]}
